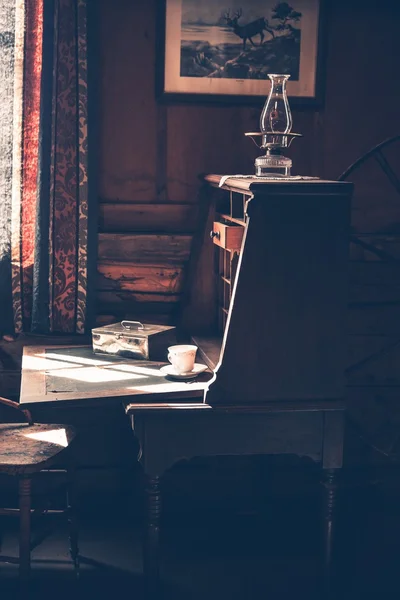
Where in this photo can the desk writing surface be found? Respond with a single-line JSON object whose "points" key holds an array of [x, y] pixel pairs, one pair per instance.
{"points": [[75, 375]]}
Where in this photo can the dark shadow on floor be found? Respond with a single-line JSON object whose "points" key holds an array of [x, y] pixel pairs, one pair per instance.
{"points": [[220, 554]]}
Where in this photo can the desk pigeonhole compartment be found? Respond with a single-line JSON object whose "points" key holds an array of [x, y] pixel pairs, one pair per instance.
{"points": [[133, 339]]}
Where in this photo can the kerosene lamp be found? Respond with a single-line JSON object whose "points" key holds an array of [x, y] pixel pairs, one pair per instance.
{"points": [[275, 131]]}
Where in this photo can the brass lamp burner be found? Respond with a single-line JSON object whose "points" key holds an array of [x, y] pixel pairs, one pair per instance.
{"points": [[272, 140]]}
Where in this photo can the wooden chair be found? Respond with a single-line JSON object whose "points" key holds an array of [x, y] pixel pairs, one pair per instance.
{"points": [[27, 450]]}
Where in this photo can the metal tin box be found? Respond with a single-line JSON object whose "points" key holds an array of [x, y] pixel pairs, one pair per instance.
{"points": [[133, 339]]}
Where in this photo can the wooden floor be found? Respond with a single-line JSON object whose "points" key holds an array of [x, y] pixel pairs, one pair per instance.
{"points": [[227, 557]]}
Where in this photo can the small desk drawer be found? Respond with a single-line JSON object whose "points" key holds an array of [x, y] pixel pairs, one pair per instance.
{"points": [[227, 236]]}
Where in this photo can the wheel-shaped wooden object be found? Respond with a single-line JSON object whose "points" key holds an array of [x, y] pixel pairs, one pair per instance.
{"points": [[373, 371]]}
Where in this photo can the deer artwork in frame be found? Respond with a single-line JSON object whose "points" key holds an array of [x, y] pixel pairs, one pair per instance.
{"points": [[224, 50], [250, 30]]}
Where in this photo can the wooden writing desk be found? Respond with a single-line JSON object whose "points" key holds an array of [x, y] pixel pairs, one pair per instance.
{"points": [[172, 422], [73, 376], [266, 303], [172, 432]]}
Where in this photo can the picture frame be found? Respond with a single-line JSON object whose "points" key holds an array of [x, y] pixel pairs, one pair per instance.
{"points": [[217, 51]]}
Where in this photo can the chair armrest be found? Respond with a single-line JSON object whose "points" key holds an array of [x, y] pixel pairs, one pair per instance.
{"points": [[8, 402], [16, 406]]}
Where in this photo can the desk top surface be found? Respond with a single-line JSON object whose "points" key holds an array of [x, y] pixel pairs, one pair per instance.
{"points": [[75, 376], [251, 183]]}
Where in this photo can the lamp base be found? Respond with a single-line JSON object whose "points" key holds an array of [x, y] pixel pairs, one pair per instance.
{"points": [[273, 165]]}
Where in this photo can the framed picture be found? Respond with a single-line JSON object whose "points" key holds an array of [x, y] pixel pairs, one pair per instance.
{"points": [[223, 50]]}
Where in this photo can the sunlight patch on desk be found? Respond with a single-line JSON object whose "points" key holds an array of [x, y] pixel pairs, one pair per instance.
{"points": [[133, 368], [95, 375], [55, 436], [68, 358], [41, 363]]}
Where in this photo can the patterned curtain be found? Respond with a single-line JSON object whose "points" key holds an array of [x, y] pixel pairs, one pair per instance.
{"points": [[44, 218]]}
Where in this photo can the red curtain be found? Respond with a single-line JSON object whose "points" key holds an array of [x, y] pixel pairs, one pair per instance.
{"points": [[30, 144], [49, 208]]}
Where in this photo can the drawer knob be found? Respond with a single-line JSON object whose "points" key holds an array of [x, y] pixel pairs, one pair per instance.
{"points": [[214, 234]]}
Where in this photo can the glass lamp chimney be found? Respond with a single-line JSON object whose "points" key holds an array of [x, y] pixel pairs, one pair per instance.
{"points": [[275, 122]]}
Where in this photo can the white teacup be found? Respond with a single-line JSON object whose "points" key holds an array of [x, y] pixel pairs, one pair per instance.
{"points": [[182, 357]]}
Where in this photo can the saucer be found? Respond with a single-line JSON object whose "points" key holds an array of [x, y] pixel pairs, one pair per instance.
{"points": [[170, 372]]}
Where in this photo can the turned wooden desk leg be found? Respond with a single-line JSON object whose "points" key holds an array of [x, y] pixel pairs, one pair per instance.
{"points": [[332, 462], [330, 497], [72, 520], [151, 546], [25, 485]]}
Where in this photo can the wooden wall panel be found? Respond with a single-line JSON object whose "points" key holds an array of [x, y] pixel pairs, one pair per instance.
{"points": [[359, 78], [128, 111], [200, 140]]}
